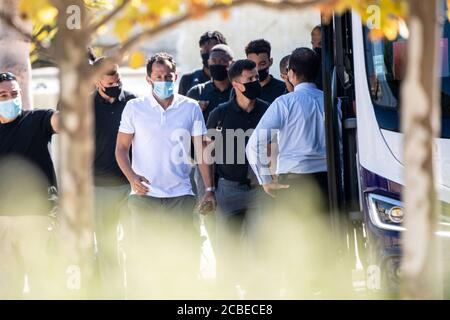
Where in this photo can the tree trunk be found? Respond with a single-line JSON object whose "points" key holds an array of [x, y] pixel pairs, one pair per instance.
{"points": [[14, 55], [75, 150], [421, 276]]}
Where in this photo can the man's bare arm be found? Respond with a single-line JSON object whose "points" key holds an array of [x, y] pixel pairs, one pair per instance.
{"points": [[123, 145]]}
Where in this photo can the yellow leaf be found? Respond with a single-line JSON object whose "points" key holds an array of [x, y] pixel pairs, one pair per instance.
{"points": [[197, 8], [100, 4], [137, 60], [42, 36], [390, 29], [33, 58], [122, 28], [47, 14], [376, 34], [164, 7], [448, 10], [136, 3], [341, 6], [31, 9]]}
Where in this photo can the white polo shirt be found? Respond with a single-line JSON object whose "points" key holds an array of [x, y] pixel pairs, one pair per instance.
{"points": [[162, 142]]}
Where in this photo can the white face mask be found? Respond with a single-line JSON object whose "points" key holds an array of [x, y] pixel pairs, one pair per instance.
{"points": [[10, 109]]}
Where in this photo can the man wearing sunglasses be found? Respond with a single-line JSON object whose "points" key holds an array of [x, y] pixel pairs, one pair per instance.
{"points": [[26, 176]]}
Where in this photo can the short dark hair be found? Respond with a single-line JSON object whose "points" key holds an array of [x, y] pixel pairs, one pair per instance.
{"points": [[223, 48], [238, 67], [284, 63], [7, 76], [304, 62], [111, 72], [317, 28], [160, 57], [258, 46], [212, 35]]}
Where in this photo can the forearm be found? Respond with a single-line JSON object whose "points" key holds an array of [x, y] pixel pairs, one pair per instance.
{"points": [[273, 155], [124, 162], [204, 160], [54, 121], [207, 174], [257, 154]]}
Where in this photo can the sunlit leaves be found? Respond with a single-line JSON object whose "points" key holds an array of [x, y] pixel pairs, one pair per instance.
{"points": [[39, 11], [137, 15], [385, 18], [448, 9], [47, 15], [100, 4], [122, 27], [136, 60], [163, 7], [197, 8]]}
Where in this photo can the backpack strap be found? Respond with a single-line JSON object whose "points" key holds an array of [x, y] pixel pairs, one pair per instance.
{"points": [[221, 120]]}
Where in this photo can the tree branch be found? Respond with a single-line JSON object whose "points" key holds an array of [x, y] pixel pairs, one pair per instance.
{"points": [[147, 34], [153, 32], [94, 26]]}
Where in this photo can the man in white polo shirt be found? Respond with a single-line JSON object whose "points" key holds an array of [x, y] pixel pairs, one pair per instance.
{"points": [[160, 128]]}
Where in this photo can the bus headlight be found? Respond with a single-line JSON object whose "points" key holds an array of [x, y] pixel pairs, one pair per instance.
{"points": [[386, 213]]}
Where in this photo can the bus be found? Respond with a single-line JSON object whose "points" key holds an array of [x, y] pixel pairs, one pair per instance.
{"points": [[362, 80]]}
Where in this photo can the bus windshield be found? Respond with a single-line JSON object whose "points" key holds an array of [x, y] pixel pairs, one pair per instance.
{"points": [[385, 69]]}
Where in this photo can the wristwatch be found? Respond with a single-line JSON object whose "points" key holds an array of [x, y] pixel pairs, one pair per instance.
{"points": [[210, 189]]}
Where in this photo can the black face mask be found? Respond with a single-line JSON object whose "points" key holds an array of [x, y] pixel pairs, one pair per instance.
{"points": [[252, 90], [318, 51], [113, 92], [205, 57], [218, 72], [263, 74]]}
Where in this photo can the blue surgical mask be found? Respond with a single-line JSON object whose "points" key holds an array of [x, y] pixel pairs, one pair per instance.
{"points": [[10, 109], [163, 89]]}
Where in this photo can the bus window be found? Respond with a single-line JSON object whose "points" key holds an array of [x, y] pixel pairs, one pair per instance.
{"points": [[386, 69]]}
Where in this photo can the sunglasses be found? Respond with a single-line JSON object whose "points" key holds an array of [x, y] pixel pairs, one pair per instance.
{"points": [[7, 76]]}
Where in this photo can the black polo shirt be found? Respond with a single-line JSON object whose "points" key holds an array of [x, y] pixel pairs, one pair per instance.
{"points": [[209, 92], [28, 137], [230, 116], [107, 121], [192, 79], [272, 90]]}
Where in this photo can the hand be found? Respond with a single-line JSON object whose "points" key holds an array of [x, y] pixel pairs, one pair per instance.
{"points": [[208, 203], [203, 104], [274, 186], [138, 186]]}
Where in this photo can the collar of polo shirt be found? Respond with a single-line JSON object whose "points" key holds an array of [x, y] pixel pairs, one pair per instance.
{"points": [[155, 104], [305, 85], [235, 107]]}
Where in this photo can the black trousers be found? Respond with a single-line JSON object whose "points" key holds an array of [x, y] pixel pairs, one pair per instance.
{"points": [[301, 235], [312, 185]]}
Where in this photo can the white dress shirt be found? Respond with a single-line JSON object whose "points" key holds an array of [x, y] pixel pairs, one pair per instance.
{"points": [[298, 119], [162, 142]]}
